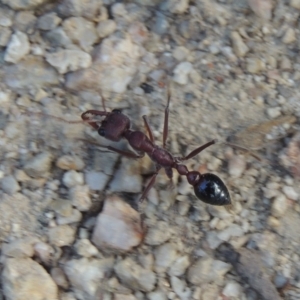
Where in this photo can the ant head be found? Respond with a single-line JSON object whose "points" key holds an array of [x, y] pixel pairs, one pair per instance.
{"points": [[209, 188], [114, 126]]}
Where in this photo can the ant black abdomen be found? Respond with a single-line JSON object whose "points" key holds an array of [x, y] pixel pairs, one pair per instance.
{"points": [[212, 190]]}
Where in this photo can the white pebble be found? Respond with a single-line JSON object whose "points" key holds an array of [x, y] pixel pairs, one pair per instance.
{"points": [[290, 193], [181, 72], [17, 48], [72, 178]]}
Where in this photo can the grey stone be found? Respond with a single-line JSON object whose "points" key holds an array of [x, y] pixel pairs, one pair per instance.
{"points": [[48, 21], [76, 8], [5, 34], [10, 185], [58, 38], [96, 180]]}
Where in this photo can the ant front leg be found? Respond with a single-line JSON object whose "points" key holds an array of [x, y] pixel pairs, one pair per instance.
{"points": [[86, 116], [149, 130]]}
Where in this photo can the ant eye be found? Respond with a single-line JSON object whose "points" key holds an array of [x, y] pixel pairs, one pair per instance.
{"points": [[103, 123], [117, 111], [101, 131]]}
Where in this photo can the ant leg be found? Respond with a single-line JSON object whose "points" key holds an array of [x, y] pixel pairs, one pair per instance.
{"points": [[113, 149], [86, 116], [198, 150], [149, 130], [169, 173], [103, 101], [150, 184], [166, 122], [248, 151]]}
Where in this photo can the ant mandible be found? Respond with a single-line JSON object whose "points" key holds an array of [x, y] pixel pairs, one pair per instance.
{"points": [[208, 187]]}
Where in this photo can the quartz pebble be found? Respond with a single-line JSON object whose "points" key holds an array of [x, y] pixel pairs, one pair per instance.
{"points": [[118, 226], [290, 193], [85, 248], [232, 289], [72, 178], [17, 48], [181, 72], [236, 166]]}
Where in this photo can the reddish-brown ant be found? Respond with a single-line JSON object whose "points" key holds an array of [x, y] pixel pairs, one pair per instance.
{"points": [[208, 187]]}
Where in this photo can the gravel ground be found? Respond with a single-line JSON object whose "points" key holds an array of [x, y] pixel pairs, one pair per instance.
{"points": [[70, 225]]}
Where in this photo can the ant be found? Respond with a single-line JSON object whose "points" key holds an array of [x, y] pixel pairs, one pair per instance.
{"points": [[208, 187]]}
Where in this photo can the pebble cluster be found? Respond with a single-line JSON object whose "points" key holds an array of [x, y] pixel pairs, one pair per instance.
{"points": [[70, 228]]}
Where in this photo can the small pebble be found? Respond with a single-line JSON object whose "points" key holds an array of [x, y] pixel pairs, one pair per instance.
{"points": [[232, 289], [164, 256], [80, 197], [289, 36], [72, 178], [17, 48], [239, 47], [106, 27], [295, 4], [96, 180], [262, 8], [255, 65], [67, 162], [10, 185], [38, 165], [181, 72], [279, 205], [236, 166], [59, 277], [63, 235], [48, 21], [290, 193]]}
